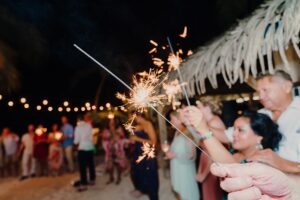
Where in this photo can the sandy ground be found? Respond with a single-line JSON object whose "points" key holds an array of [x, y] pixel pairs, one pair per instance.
{"points": [[59, 188]]}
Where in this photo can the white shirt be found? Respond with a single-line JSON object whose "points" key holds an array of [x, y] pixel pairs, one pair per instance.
{"points": [[289, 126], [27, 140], [10, 144], [84, 136]]}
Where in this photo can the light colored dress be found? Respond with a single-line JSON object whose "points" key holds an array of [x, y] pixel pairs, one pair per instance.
{"points": [[183, 169]]}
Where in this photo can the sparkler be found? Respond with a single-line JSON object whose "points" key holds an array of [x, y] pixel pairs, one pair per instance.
{"points": [[58, 135], [143, 92], [175, 61], [148, 152], [149, 105], [172, 88]]}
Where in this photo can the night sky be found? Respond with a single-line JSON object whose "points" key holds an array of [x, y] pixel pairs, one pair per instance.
{"points": [[117, 33]]}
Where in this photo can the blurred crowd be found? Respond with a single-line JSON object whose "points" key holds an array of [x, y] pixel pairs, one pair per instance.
{"points": [[261, 147]]}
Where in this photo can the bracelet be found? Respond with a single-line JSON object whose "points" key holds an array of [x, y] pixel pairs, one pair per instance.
{"points": [[207, 135]]}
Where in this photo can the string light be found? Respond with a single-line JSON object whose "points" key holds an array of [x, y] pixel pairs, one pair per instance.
{"points": [[66, 103], [45, 102], [23, 100], [87, 106], [10, 103], [38, 107]]}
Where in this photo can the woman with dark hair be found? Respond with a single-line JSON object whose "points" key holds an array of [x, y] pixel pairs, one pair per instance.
{"points": [[252, 132], [144, 173]]}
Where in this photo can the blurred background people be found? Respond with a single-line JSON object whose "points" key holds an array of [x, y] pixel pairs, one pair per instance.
{"points": [[182, 156], [10, 142], [28, 161], [67, 142], [40, 149], [84, 139], [144, 173], [55, 155]]}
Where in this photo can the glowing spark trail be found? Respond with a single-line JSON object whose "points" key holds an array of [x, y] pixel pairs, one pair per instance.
{"points": [[184, 34]]}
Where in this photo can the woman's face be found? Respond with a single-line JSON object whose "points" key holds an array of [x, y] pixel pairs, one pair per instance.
{"points": [[243, 136]]}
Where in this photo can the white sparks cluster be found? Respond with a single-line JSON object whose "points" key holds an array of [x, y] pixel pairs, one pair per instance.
{"points": [[148, 152], [172, 89], [143, 92]]}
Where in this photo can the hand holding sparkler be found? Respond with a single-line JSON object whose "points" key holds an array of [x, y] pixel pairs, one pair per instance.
{"points": [[193, 116]]}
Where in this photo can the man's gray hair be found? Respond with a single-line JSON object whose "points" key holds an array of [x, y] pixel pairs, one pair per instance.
{"points": [[278, 73]]}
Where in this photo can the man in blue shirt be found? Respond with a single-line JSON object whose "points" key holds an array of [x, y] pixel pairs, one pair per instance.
{"points": [[67, 142]]}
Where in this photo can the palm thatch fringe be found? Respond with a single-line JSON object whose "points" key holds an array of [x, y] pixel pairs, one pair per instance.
{"points": [[272, 27]]}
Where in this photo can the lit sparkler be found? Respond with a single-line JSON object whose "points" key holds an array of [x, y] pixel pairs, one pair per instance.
{"points": [[133, 90], [58, 135], [174, 61], [148, 152], [172, 88], [143, 92], [128, 125]]}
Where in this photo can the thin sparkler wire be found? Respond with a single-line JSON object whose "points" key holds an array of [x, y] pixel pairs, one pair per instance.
{"points": [[180, 75], [151, 106]]}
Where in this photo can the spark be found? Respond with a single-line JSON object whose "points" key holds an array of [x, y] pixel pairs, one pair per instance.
{"points": [[148, 152], [174, 61], [184, 34], [154, 50], [158, 62], [154, 43], [128, 125], [143, 93], [190, 52]]}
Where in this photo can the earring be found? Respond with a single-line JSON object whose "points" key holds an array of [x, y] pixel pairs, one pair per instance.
{"points": [[259, 146]]}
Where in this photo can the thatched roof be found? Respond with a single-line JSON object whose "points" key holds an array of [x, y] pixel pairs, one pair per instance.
{"points": [[246, 49]]}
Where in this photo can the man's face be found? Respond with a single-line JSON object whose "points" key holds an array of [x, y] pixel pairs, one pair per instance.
{"points": [[272, 94]]}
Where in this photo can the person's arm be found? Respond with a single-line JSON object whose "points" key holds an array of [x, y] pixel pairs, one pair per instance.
{"points": [[271, 158], [194, 117], [203, 169], [217, 126], [151, 133]]}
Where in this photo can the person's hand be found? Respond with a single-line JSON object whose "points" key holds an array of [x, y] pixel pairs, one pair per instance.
{"points": [[170, 154], [133, 138], [252, 181], [200, 177], [266, 156], [192, 116]]}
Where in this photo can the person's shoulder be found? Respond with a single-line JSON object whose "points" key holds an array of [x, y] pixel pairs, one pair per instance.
{"points": [[296, 103]]}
